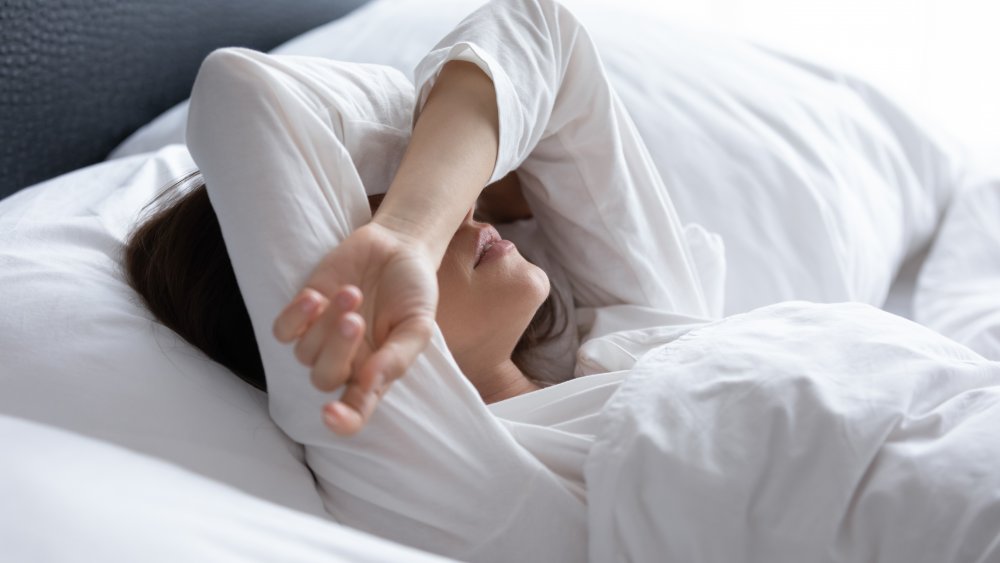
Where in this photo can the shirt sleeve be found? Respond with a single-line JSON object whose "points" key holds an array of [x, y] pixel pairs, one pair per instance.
{"points": [[604, 211]]}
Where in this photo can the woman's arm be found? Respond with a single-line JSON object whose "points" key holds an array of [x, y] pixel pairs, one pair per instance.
{"points": [[392, 260], [588, 177], [448, 161], [271, 135], [600, 202]]}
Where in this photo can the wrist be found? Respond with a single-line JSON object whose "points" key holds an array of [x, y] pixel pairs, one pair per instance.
{"points": [[416, 235]]}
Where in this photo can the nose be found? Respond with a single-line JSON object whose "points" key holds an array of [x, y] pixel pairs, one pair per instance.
{"points": [[468, 224]]}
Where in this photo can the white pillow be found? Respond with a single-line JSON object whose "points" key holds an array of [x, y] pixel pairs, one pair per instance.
{"points": [[71, 498], [81, 352], [819, 185]]}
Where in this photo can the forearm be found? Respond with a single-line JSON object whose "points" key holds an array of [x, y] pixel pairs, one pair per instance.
{"points": [[449, 159]]}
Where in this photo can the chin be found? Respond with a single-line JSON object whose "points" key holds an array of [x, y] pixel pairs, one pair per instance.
{"points": [[540, 285], [524, 293]]}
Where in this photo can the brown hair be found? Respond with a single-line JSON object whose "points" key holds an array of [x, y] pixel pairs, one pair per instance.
{"points": [[177, 261]]}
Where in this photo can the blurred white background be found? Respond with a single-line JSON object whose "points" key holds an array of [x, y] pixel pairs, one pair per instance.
{"points": [[939, 57]]}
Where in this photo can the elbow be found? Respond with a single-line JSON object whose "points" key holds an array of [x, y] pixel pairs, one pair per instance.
{"points": [[227, 87], [221, 72]]}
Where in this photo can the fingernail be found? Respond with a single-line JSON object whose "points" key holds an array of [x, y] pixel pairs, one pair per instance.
{"points": [[308, 304], [344, 300], [335, 415], [330, 409], [331, 421], [348, 327]]}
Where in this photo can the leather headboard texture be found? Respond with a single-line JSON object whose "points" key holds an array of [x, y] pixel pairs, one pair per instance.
{"points": [[78, 76]]}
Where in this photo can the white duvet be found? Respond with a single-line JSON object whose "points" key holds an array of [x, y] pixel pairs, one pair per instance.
{"points": [[801, 432], [958, 290]]}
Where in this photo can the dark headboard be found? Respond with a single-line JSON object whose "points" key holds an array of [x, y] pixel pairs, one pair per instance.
{"points": [[78, 76]]}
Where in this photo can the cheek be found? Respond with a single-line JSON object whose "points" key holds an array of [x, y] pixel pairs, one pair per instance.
{"points": [[492, 305], [456, 301]]}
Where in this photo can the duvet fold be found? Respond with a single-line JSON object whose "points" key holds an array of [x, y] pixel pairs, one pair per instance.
{"points": [[801, 432]]}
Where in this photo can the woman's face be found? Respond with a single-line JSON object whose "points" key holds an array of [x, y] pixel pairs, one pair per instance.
{"points": [[488, 294]]}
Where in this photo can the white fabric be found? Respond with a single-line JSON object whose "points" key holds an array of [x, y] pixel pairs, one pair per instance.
{"points": [[819, 185], [71, 498], [958, 288], [558, 424], [80, 351], [801, 432], [275, 137]]}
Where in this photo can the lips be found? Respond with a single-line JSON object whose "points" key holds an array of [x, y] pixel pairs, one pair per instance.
{"points": [[485, 238]]}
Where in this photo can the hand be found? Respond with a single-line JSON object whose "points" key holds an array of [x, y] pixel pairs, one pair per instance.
{"points": [[375, 278]]}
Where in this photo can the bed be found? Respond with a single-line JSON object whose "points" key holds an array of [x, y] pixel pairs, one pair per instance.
{"points": [[119, 430]]}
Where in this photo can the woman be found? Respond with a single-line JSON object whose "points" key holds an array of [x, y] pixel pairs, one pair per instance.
{"points": [[516, 86], [176, 260], [539, 103]]}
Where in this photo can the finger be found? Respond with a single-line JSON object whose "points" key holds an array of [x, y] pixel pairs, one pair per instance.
{"points": [[348, 298], [355, 406], [333, 366], [404, 343], [310, 344], [296, 317], [350, 413]]}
